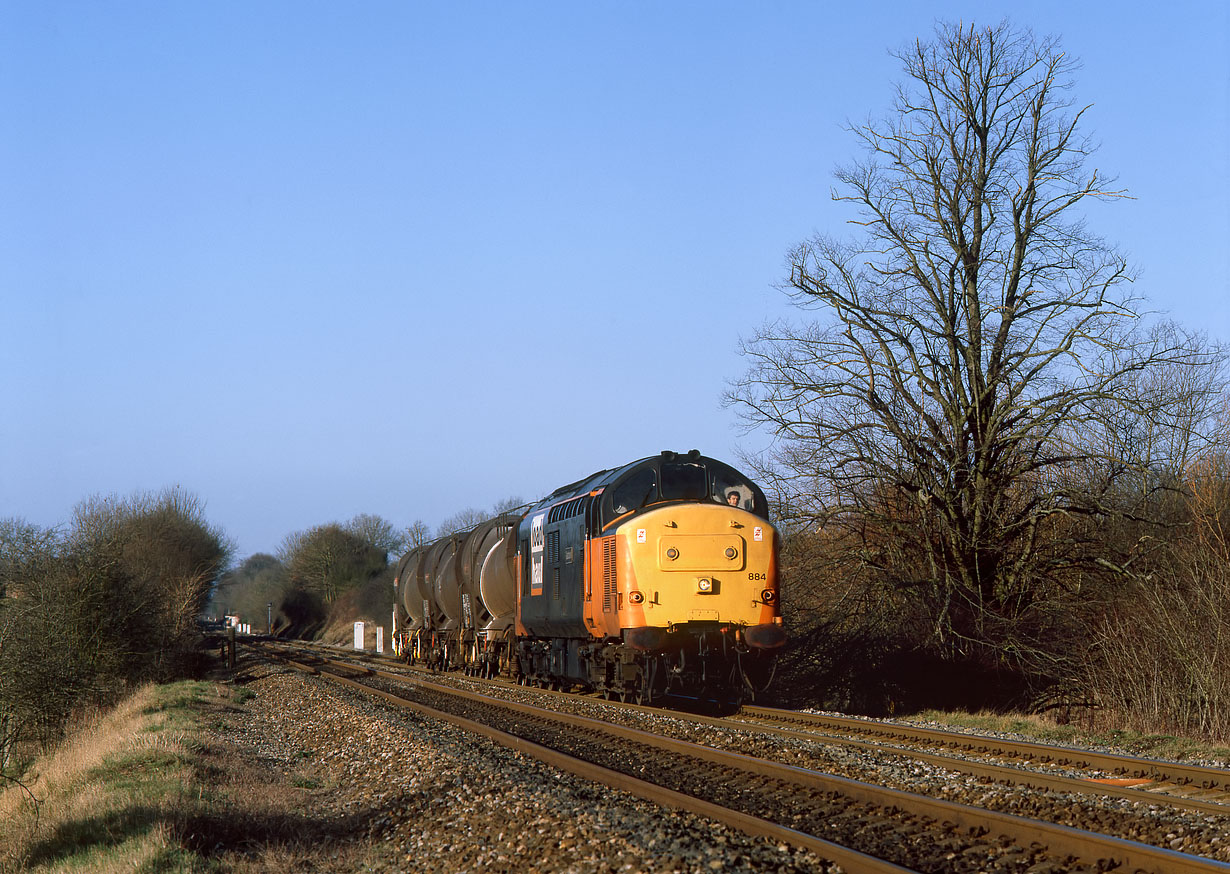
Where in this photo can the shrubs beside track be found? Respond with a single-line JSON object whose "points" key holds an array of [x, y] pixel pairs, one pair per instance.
{"points": [[1134, 635], [90, 611]]}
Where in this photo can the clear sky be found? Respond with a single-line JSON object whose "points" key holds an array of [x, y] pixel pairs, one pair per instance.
{"points": [[308, 260]]}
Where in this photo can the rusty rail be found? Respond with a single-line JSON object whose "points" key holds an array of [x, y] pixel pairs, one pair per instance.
{"points": [[1061, 841], [1133, 766]]}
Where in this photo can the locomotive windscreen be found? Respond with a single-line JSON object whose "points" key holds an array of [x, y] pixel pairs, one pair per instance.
{"points": [[680, 479], [684, 481]]}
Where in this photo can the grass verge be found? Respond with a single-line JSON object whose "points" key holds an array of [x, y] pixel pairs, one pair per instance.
{"points": [[165, 783], [116, 795]]}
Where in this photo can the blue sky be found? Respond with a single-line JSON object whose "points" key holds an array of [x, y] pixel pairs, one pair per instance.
{"points": [[308, 260]]}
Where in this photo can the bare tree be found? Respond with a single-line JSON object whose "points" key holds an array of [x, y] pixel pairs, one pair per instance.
{"points": [[508, 505], [470, 516], [1135, 455], [975, 325], [329, 560], [377, 531], [1161, 658], [110, 602], [417, 534], [461, 521]]}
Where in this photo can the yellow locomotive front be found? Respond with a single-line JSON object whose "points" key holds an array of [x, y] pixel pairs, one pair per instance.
{"points": [[689, 566], [687, 562]]}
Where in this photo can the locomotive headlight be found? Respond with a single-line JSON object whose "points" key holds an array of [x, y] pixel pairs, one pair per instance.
{"points": [[767, 596], [731, 552], [705, 585], [636, 597], [672, 553]]}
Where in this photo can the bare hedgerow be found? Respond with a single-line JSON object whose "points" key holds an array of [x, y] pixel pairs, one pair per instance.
{"points": [[111, 602], [1161, 659]]}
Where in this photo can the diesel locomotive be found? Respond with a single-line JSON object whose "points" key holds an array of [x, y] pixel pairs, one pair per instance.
{"points": [[648, 582]]}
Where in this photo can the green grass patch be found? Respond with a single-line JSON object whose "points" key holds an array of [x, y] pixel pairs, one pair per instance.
{"points": [[147, 775], [114, 795]]}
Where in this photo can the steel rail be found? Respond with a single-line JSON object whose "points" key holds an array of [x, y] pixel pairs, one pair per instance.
{"points": [[1000, 773], [848, 859], [1202, 776], [1060, 840]]}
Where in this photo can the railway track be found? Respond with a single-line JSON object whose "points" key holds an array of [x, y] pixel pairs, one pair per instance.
{"points": [[860, 825], [1152, 773], [1199, 788]]}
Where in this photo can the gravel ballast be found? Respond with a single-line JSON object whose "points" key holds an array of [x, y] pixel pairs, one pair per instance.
{"points": [[419, 795], [405, 792]]}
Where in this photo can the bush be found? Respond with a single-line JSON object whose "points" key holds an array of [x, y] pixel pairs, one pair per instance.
{"points": [[1161, 662], [112, 603]]}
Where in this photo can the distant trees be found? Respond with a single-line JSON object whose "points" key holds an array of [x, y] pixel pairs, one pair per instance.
{"points": [[248, 590], [976, 358], [332, 573], [377, 531], [470, 517], [329, 559], [110, 602], [417, 534], [461, 521], [318, 575]]}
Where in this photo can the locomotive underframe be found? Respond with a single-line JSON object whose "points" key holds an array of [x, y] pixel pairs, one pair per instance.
{"points": [[707, 662]]}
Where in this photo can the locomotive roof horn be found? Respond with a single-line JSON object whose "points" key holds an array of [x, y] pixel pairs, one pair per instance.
{"points": [[693, 454]]}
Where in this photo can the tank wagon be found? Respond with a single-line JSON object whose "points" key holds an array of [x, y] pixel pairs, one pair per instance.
{"points": [[646, 582]]}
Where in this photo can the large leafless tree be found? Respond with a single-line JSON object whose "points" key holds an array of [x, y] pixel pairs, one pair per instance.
{"points": [[967, 340]]}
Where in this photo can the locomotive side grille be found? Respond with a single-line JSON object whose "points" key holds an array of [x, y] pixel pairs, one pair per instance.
{"points": [[555, 583], [608, 574]]}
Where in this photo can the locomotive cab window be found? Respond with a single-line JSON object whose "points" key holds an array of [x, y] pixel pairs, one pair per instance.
{"points": [[679, 478], [732, 488], [684, 481], [637, 490]]}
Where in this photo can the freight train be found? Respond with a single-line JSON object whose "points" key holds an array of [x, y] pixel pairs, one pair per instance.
{"points": [[652, 582]]}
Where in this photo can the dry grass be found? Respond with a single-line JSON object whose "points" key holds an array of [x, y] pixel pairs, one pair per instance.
{"points": [[157, 785], [108, 799]]}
